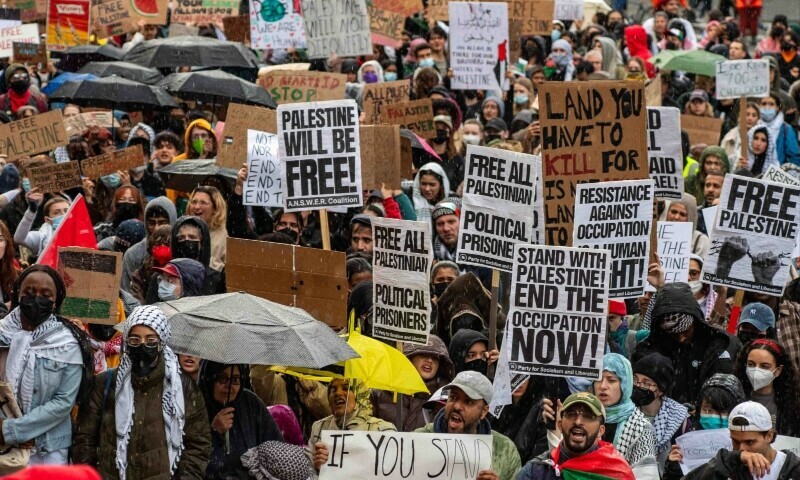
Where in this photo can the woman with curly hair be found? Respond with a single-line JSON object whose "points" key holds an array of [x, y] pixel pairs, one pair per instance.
{"points": [[9, 268], [770, 379], [209, 204]]}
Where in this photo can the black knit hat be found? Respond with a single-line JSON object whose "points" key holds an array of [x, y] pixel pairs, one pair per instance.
{"points": [[659, 368]]}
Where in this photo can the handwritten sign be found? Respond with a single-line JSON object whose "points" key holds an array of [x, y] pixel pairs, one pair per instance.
{"points": [[55, 177], [17, 34], [568, 10], [299, 86], [386, 26], [30, 53], [233, 147], [775, 174], [264, 171], [115, 17], [380, 156], [742, 78], [536, 18], [100, 165], [478, 45], [38, 134], [78, 124], [336, 26], [272, 28], [701, 446], [204, 11], [416, 115], [376, 95]]}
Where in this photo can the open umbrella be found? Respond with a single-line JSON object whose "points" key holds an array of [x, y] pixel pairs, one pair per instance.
{"points": [[128, 70], [698, 62], [62, 78], [74, 58], [238, 327], [421, 152], [186, 175], [191, 51], [113, 93], [215, 86]]}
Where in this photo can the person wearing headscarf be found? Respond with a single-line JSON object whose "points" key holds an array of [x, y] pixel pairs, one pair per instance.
{"points": [[685, 210], [142, 130], [370, 72], [145, 419], [761, 149], [180, 278], [638, 46], [239, 419], [612, 59], [559, 62], [288, 424], [431, 185]]}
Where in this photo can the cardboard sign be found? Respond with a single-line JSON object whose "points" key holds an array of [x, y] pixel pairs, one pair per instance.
{"points": [[618, 217], [92, 278], [237, 29], [375, 95], [416, 115], [557, 320], [438, 10], [497, 209], [590, 132], [742, 78], [401, 263], [264, 171], [204, 11], [180, 30], [336, 26], [674, 240], [386, 26], [478, 45], [702, 129], [404, 7], [775, 174], [664, 151], [568, 10], [117, 17], [536, 17], [67, 24], [55, 177], [411, 456], [301, 86], [17, 34], [30, 11], [78, 124], [380, 156], [321, 154], [273, 27], [701, 446], [240, 118], [100, 165], [652, 92], [9, 17], [29, 53], [38, 134], [312, 279], [753, 235]]}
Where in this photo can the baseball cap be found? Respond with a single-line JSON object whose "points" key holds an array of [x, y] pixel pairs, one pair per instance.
{"points": [[446, 119], [497, 124], [698, 94], [439, 397], [759, 315], [585, 398], [750, 417], [474, 384], [361, 219], [169, 269]]}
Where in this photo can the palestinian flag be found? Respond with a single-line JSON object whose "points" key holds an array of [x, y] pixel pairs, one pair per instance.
{"points": [[605, 463], [92, 280]]}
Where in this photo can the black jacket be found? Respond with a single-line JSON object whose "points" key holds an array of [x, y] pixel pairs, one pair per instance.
{"points": [[727, 465]]}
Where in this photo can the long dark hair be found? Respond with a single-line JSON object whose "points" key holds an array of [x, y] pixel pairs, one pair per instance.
{"points": [[8, 271]]}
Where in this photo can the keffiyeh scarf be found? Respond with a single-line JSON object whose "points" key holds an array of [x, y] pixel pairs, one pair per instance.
{"points": [[668, 420]]}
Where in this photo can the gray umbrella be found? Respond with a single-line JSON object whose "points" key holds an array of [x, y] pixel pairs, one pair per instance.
{"points": [[186, 175], [216, 87], [234, 328], [128, 70]]}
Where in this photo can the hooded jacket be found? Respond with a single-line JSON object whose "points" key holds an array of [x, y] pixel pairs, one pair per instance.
{"points": [[709, 351], [189, 152], [136, 255], [695, 182], [700, 242], [193, 276], [465, 296], [374, 64], [460, 344], [612, 60], [759, 164], [151, 134], [422, 206]]}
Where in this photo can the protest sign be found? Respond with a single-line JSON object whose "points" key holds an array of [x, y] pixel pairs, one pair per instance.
{"points": [[17, 34], [556, 323], [38, 134], [180, 30], [438, 10], [116, 17], [709, 214], [386, 26], [568, 10], [9, 16], [29, 10], [401, 264], [590, 132], [664, 151], [416, 115], [754, 231], [300, 86], [375, 95], [652, 92], [263, 184], [29, 53], [674, 240], [92, 280], [67, 24], [237, 29], [321, 154], [535, 18], [380, 156], [478, 45], [240, 118], [538, 204], [783, 442], [55, 177], [406, 8], [775, 174], [497, 207], [618, 217], [204, 11], [742, 78], [411, 456], [78, 124], [276, 24], [105, 164], [336, 26], [700, 446], [312, 279], [702, 129]]}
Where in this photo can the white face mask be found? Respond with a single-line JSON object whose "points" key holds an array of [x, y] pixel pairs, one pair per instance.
{"points": [[696, 286], [471, 139], [759, 377]]}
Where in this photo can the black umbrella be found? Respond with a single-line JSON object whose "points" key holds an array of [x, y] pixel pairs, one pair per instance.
{"points": [[113, 93], [128, 70], [186, 175], [191, 51], [74, 58], [215, 86], [421, 152]]}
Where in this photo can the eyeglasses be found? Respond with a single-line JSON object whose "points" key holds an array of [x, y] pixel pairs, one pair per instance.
{"points": [[574, 414], [151, 342], [647, 385], [224, 380], [19, 76]]}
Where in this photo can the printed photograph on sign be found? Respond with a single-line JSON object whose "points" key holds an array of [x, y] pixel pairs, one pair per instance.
{"points": [[276, 24], [478, 45]]}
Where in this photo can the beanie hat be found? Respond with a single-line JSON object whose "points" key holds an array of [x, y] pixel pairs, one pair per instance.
{"points": [[659, 368], [501, 108], [129, 233], [13, 68], [448, 206]]}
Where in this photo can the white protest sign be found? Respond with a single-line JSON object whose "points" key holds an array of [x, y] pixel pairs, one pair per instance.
{"points": [[709, 214], [556, 324], [28, 33], [497, 208], [538, 204], [700, 446], [664, 151], [782, 442], [674, 240], [754, 232], [336, 26], [263, 184], [742, 78], [321, 154], [478, 45], [411, 456], [568, 10], [775, 174], [271, 27], [401, 262], [617, 216]]}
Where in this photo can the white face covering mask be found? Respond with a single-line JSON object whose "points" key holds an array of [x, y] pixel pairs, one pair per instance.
{"points": [[759, 377], [471, 139], [696, 286]]}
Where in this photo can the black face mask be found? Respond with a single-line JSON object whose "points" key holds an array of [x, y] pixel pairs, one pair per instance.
{"points": [[20, 86], [671, 46], [470, 94], [441, 136], [103, 333], [787, 47], [144, 359], [777, 32], [187, 249], [35, 309], [642, 396], [288, 231], [437, 289], [125, 211], [747, 337], [479, 365], [489, 138], [177, 126]]}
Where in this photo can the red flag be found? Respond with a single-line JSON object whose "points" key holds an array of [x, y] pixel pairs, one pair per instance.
{"points": [[74, 231]]}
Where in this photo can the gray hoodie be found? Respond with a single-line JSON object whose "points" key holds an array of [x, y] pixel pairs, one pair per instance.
{"points": [[135, 256]]}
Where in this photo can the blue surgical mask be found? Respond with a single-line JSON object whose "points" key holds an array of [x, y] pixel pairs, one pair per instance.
{"points": [[166, 291], [56, 221], [26, 184], [768, 114], [111, 181], [427, 63], [555, 35], [521, 99], [712, 422], [390, 76]]}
